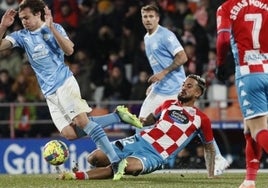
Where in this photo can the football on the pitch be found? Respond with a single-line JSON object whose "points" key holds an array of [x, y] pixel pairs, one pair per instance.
{"points": [[55, 152]]}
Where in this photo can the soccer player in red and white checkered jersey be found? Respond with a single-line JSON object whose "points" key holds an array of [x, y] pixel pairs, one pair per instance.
{"points": [[242, 24], [176, 123]]}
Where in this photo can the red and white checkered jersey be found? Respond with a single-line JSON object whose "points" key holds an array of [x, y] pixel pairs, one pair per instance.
{"points": [[247, 20], [176, 124]]}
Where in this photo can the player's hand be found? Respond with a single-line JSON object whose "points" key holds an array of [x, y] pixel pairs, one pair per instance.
{"points": [[156, 77], [220, 73], [142, 120], [8, 18], [48, 17]]}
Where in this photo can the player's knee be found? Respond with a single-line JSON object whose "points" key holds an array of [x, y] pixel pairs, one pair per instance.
{"points": [[91, 158], [134, 166], [81, 120], [68, 133], [132, 172], [98, 159]]}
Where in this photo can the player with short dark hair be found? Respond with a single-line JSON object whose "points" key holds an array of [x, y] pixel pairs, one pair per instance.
{"points": [[176, 123], [166, 56]]}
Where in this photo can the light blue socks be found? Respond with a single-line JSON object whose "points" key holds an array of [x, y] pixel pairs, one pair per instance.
{"points": [[101, 140]]}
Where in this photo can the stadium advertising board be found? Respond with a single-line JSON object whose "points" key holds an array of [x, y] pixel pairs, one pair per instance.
{"points": [[24, 156]]}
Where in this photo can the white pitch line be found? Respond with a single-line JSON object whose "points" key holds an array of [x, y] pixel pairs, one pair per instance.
{"points": [[196, 171]]}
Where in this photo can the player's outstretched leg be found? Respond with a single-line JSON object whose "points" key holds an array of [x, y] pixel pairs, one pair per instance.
{"points": [[127, 117], [119, 169]]}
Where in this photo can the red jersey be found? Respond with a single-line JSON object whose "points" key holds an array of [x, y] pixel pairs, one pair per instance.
{"points": [[247, 24], [176, 126]]}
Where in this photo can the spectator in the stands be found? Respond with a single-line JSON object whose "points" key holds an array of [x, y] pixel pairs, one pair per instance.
{"points": [[116, 86], [141, 62], [23, 115], [180, 12], [7, 4], [6, 82], [191, 26], [11, 60], [66, 12]]}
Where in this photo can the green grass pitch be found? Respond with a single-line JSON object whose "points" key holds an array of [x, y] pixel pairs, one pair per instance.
{"points": [[156, 180]]}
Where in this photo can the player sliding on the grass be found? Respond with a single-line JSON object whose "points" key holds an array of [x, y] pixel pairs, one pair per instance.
{"points": [[176, 123]]}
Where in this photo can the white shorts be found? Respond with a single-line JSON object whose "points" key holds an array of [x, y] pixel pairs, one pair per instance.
{"points": [[66, 103], [152, 101]]}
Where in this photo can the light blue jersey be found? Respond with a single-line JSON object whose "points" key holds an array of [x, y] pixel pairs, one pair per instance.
{"points": [[161, 47], [45, 56]]}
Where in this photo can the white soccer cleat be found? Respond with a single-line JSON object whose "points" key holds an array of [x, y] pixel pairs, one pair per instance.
{"points": [[220, 165]]}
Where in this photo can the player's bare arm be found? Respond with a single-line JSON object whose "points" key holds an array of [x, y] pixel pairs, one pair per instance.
{"points": [[149, 120], [6, 21], [65, 44], [210, 158], [179, 59]]}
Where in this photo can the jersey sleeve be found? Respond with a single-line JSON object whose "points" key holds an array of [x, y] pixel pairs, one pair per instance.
{"points": [[61, 30], [223, 35], [171, 43], [14, 39], [206, 130]]}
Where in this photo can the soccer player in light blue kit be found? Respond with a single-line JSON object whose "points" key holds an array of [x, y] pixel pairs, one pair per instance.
{"points": [[45, 44], [166, 57]]}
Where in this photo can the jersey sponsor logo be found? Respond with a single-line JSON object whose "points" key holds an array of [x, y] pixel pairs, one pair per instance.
{"points": [[254, 57], [39, 52], [178, 116]]}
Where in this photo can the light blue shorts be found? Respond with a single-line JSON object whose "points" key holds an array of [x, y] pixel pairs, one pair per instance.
{"points": [[137, 147], [252, 93]]}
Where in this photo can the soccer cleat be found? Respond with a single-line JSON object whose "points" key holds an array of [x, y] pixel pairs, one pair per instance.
{"points": [[127, 117], [220, 165], [246, 186], [67, 176], [119, 169]]}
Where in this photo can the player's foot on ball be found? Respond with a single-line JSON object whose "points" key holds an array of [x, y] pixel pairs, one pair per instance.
{"points": [[220, 165], [127, 117], [67, 176], [119, 169], [247, 186]]}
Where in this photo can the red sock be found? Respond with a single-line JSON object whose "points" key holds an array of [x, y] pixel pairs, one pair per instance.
{"points": [[253, 156], [262, 139], [81, 175]]}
